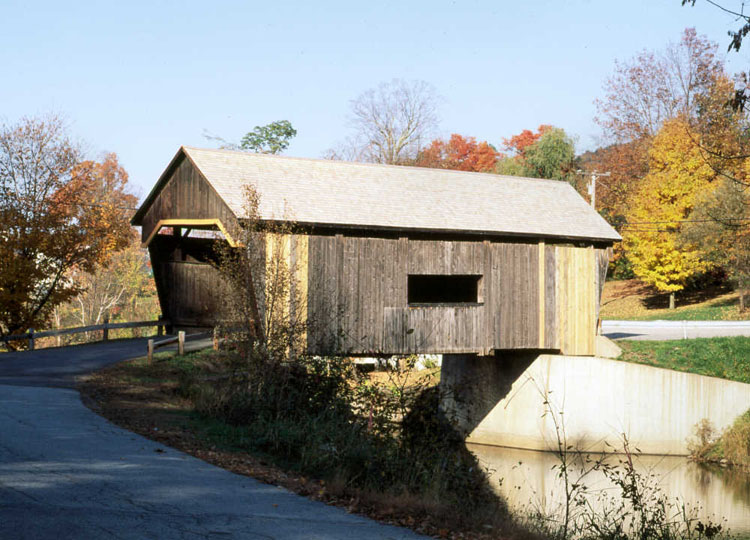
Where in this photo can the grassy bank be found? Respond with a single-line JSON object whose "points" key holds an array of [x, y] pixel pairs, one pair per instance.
{"points": [[632, 300], [725, 357]]}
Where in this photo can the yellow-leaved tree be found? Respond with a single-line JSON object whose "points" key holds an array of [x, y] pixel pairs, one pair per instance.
{"points": [[678, 175]]}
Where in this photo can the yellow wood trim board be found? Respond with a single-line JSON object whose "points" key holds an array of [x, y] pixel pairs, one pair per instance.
{"points": [[187, 223], [542, 295]]}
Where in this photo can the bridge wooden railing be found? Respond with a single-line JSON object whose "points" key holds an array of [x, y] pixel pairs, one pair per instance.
{"points": [[32, 335], [154, 344]]}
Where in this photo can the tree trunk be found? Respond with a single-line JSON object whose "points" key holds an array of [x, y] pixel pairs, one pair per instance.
{"points": [[671, 300]]}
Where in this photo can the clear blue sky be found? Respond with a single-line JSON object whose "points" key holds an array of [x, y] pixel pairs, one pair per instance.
{"points": [[142, 78]]}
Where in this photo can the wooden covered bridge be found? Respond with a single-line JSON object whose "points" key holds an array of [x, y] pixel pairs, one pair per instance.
{"points": [[391, 259]]}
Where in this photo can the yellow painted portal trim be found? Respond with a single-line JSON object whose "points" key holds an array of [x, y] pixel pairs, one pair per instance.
{"points": [[188, 223], [301, 270], [287, 284]]}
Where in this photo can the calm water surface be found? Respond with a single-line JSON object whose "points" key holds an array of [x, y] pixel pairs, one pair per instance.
{"points": [[528, 481]]}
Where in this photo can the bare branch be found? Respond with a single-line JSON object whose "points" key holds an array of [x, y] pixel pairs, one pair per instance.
{"points": [[391, 122]]}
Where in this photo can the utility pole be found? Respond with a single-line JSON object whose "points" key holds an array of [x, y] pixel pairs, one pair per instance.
{"points": [[592, 184]]}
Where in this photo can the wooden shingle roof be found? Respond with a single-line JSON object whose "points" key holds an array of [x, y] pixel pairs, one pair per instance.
{"points": [[336, 193]]}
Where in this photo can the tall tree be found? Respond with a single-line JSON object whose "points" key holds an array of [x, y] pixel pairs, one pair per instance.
{"points": [[391, 122], [552, 156], [720, 223], [653, 87], [548, 153], [123, 285], [640, 96], [273, 138], [520, 142], [57, 212], [720, 228], [677, 177], [459, 153], [627, 164]]}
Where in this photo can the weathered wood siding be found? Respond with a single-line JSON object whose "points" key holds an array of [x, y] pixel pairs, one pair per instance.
{"points": [[350, 293], [186, 196], [531, 296], [514, 301], [190, 293]]}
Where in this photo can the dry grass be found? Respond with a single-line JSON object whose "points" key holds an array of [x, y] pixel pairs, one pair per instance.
{"points": [[632, 300]]}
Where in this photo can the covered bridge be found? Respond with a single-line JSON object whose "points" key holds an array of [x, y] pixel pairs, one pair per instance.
{"points": [[391, 259]]}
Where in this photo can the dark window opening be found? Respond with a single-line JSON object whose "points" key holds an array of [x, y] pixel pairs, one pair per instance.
{"points": [[442, 289]]}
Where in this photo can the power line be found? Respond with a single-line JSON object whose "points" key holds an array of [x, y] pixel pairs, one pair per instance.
{"points": [[628, 223]]}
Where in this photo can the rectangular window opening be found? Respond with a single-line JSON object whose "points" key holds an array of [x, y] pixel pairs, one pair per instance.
{"points": [[444, 289]]}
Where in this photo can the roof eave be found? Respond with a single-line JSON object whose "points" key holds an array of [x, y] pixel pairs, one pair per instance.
{"points": [[137, 218], [457, 232]]}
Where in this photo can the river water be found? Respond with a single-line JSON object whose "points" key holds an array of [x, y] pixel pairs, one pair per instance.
{"points": [[530, 482]]}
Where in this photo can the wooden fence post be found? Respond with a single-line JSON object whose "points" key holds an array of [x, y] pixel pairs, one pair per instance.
{"points": [[31, 339], [159, 327], [105, 330], [216, 338], [150, 352], [181, 342]]}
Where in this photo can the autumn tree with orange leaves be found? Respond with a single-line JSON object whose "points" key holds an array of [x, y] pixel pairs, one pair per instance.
{"points": [[459, 153], [518, 144], [548, 153], [57, 212]]}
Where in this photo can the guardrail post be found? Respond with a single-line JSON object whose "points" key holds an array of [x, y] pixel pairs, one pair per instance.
{"points": [[105, 330], [181, 342], [31, 339], [216, 339], [150, 351]]}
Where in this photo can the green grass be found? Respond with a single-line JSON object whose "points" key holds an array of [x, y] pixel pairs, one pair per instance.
{"points": [[725, 357]]}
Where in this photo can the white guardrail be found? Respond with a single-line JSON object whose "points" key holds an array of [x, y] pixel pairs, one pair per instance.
{"points": [[676, 324]]}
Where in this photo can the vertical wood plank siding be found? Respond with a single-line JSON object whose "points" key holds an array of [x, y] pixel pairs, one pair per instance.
{"points": [[603, 255], [357, 296], [353, 292], [185, 285], [186, 195], [191, 295], [576, 299], [551, 325]]}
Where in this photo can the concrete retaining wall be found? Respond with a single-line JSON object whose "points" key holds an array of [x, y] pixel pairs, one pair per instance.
{"points": [[501, 401]]}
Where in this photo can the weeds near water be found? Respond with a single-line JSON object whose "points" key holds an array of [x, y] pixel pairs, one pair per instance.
{"points": [[730, 447], [634, 509]]}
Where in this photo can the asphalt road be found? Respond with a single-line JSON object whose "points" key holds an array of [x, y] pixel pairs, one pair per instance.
{"points": [[59, 367], [67, 473], [666, 330]]}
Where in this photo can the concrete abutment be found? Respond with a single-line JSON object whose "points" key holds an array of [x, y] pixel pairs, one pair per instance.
{"points": [[523, 399]]}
